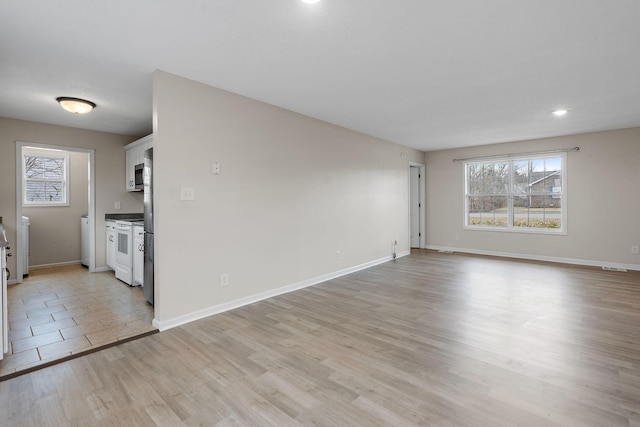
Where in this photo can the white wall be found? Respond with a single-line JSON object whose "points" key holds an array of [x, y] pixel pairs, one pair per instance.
{"points": [[110, 176], [602, 202], [292, 192]]}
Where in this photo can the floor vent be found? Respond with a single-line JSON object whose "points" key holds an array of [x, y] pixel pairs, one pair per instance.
{"points": [[624, 270], [446, 252]]}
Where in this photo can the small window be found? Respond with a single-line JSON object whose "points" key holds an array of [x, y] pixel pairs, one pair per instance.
{"points": [[45, 177], [516, 194]]}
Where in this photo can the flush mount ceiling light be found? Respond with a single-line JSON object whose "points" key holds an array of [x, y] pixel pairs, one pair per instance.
{"points": [[561, 112], [310, 1], [76, 105]]}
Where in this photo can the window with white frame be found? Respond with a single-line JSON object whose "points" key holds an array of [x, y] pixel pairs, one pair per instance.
{"points": [[45, 177], [516, 194]]}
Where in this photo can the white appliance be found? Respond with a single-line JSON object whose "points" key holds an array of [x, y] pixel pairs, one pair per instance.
{"points": [[84, 240], [138, 254], [25, 245], [124, 252], [4, 321], [148, 288], [111, 244]]}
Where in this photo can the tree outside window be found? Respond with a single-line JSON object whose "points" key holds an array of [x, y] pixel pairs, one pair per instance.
{"points": [[516, 194], [45, 177]]}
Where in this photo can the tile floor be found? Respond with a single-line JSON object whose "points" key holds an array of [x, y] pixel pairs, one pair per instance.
{"points": [[57, 312]]}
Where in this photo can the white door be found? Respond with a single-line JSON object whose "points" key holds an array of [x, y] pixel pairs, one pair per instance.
{"points": [[415, 204]]}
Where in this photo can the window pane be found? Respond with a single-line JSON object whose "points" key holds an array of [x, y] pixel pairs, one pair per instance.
{"points": [[35, 191], [54, 192], [474, 178], [33, 167], [45, 191], [553, 178], [546, 175], [43, 167], [521, 177], [490, 211], [496, 178], [53, 168], [536, 212]]}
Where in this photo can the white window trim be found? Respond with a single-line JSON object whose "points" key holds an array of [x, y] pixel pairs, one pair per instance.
{"points": [[50, 153], [547, 231]]}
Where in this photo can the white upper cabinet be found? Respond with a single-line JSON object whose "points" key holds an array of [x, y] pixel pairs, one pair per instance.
{"points": [[134, 155]]}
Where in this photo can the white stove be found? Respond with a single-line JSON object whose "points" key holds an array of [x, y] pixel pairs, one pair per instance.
{"points": [[124, 251]]}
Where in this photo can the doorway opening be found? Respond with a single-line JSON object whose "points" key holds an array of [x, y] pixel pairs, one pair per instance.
{"points": [[49, 189], [60, 309], [417, 179]]}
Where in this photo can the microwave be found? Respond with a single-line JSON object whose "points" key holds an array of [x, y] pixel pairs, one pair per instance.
{"points": [[138, 176]]}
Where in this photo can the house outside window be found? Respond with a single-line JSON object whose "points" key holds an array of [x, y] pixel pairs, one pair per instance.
{"points": [[525, 194], [45, 177]]}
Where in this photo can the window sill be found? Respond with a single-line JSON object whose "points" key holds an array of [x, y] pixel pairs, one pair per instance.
{"points": [[45, 205], [544, 231]]}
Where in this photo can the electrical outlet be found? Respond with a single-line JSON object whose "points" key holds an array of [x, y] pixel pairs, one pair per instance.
{"points": [[187, 193], [224, 279], [634, 249], [337, 254]]}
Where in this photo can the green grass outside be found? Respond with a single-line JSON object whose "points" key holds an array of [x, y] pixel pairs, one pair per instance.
{"points": [[502, 222]]}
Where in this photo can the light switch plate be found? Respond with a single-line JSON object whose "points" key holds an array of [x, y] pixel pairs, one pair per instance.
{"points": [[187, 193]]}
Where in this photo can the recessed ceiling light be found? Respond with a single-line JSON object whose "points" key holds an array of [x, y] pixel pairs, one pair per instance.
{"points": [[310, 1], [561, 112], [76, 105]]}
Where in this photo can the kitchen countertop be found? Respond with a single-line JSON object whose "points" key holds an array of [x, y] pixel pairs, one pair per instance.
{"points": [[124, 216]]}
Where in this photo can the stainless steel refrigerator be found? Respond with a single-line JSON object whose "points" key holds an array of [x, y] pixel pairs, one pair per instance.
{"points": [[148, 225]]}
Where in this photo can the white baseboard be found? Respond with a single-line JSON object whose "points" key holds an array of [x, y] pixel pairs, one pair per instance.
{"points": [[575, 261], [102, 269], [220, 308], [55, 264]]}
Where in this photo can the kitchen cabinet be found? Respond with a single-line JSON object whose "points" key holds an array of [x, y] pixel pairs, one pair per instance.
{"points": [[111, 244], [134, 155], [130, 158], [138, 254]]}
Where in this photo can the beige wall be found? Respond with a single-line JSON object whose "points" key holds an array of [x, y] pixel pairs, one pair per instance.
{"points": [[110, 179], [292, 192], [55, 231], [602, 201]]}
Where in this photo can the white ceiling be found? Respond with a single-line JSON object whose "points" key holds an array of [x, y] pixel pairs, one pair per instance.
{"points": [[426, 74]]}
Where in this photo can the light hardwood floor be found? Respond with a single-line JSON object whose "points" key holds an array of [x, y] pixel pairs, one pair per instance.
{"points": [[428, 339], [58, 312]]}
